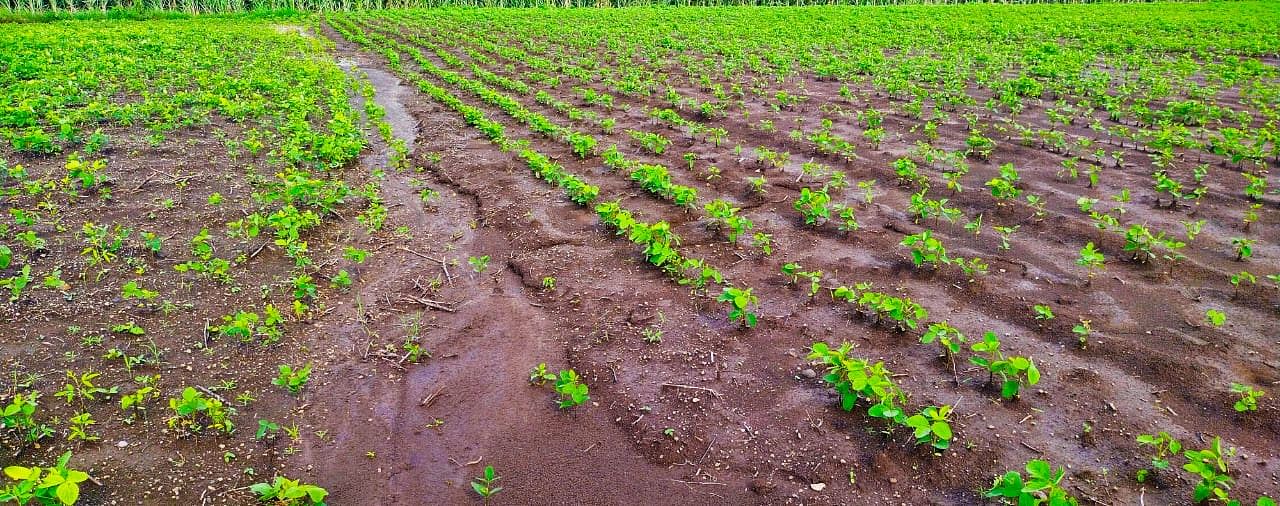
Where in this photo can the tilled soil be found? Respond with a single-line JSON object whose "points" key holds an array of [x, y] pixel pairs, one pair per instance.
{"points": [[712, 413], [425, 431], [738, 416]]}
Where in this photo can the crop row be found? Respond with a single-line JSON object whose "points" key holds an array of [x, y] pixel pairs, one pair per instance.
{"points": [[658, 244]]}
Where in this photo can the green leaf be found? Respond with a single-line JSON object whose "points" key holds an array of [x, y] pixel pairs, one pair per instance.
{"points": [[877, 410], [942, 429], [1033, 374], [52, 479], [1009, 486], [1202, 492], [74, 476], [262, 489], [68, 492], [21, 473], [847, 401], [1215, 317], [1039, 469], [1010, 389]]}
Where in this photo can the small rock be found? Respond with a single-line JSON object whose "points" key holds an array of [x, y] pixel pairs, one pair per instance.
{"points": [[817, 487], [762, 487], [1195, 340], [122, 444], [809, 373], [641, 315]]}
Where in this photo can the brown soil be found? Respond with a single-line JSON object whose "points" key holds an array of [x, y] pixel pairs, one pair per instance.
{"points": [[163, 189], [710, 414], [772, 431]]}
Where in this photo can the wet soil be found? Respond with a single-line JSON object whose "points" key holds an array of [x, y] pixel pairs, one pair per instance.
{"points": [[770, 431], [711, 413]]}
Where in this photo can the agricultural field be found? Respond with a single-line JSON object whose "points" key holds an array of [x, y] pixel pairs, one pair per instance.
{"points": [[960, 254]]}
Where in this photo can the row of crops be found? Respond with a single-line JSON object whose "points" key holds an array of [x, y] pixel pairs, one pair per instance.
{"points": [[169, 189], [1145, 149], [1027, 253], [140, 7]]}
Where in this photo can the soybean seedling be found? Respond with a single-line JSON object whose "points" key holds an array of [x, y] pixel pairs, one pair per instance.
{"points": [[571, 389], [1243, 248], [652, 335], [765, 243], [479, 264], [1210, 464], [282, 490], [1248, 397], [868, 188], [1082, 330], [1215, 317], [1014, 371], [1043, 312], [568, 385], [484, 485], [741, 303], [1042, 485], [1164, 446], [292, 379], [932, 426], [540, 375], [1091, 259], [949, 338], [266, 428], [1005, 233]]}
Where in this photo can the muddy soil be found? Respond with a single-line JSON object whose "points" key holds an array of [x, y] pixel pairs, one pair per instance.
{"points": [[760, 427], [422, 432], [709, 413]]}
